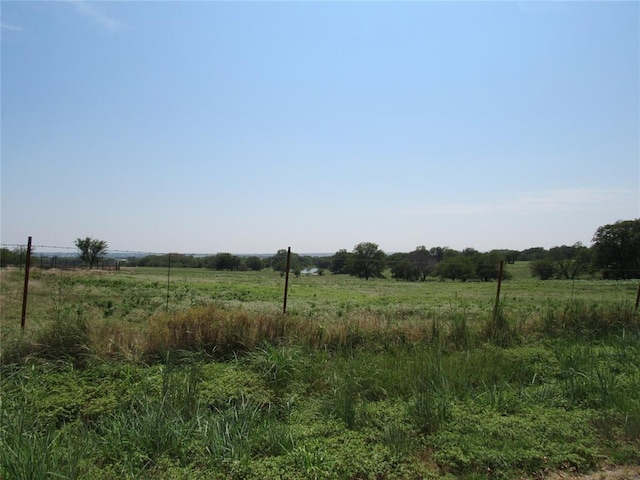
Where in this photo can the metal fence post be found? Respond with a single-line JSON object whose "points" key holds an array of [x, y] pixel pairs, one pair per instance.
{"points": [[286, 281], [26, 286]]}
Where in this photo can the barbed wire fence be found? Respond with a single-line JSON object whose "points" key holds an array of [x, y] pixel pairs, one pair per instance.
{"points": [[62, 259]]}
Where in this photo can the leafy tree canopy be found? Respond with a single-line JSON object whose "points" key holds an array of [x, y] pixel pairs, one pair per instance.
{"points": [[367, 261], [279, 261], [616, 249], [339, 261], [91, 250], [226, 261]]}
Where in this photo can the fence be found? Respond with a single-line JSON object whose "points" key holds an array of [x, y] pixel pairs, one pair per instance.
{"points": [[62, 285]]}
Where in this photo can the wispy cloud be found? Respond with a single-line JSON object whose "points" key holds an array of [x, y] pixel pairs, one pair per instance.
{"points": [[560, 200], [13, 28], [90, 10]]}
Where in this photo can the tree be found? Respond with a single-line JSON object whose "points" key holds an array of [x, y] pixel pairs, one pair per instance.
{"points": [[340, 261], [509, 256], [8, 257], [253, 263], [543, 269], [569, 261], [405, 270], [226, 261], [279, 261], [456, 267], [488, 266], [366, 261], [424, 261], [531, 254], [91, 250], [616, 249], [439, 252]]}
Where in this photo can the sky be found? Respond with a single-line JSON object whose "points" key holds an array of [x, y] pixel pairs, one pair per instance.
{"points": [[247, 127]]}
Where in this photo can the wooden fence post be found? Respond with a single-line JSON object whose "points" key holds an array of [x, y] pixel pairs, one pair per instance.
{"points": [[286, 281], [25, 292]]}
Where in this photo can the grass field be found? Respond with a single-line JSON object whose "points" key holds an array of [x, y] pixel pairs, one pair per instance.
{"points": [[192, 374]]}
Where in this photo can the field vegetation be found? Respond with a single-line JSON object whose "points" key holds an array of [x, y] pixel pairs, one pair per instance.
{"points": [[196, 373]]}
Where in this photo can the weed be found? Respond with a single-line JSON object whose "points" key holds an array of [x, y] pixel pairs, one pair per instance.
{"points": [[64, 338], [431, 403], [29, 453], [277, 364], [228, 434], [498, 330]]}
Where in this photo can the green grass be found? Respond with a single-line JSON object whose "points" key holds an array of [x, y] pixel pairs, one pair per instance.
{"points": [[362, 379]]}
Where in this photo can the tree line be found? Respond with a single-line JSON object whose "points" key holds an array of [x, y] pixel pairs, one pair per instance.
{"points": [[614, 254]]}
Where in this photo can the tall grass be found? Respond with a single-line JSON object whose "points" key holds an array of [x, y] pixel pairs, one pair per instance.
{"points": [[591, 319], [28, 452]]}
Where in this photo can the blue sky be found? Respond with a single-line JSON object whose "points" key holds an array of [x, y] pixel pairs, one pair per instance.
{"points": [[202, 127]]}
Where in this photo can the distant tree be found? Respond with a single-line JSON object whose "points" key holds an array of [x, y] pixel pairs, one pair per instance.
{"points": [[279, 261], [531, 254], [569, 261], [254, 263], [439, 252], [91, 250], [403, 269], [470, 252], [543, 269], [169, 259], [616, 249], [339, 262], [424, 261], [322, 262], [456, 267], [487, 266], [509, 256], [366, 261], [8, 257], [226, 261]]}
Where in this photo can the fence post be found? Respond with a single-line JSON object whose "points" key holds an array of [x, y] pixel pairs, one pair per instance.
{"points": [[286, 281], [26, 286], [168, 281], [495, 307]]}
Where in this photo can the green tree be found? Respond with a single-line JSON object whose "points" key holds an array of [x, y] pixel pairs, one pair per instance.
{"points": [[366, 261], [405, 270], [531, 254], [8, 257], [544, 269], [439, 252], [91, 250], [339, 261], [456, 267], [226, 261], [279, 261], [616, 249], [509, 256], [487, 266], [254, 263], [569, 261], [424, 261]]}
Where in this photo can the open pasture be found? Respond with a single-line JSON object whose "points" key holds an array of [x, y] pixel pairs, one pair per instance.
{"points": [[135, 294], [192, 374]]}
